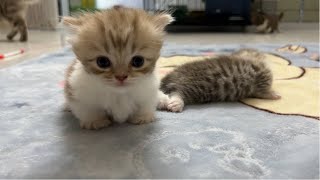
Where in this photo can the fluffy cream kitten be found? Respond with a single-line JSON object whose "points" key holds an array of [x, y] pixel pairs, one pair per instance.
{"points": [[113, 78]]}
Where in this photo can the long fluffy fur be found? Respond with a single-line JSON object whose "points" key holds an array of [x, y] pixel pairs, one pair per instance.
{"points": [[93, 94]]}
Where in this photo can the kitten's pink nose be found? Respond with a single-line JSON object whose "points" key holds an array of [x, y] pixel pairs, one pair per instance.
{"points": [[121, 78]]}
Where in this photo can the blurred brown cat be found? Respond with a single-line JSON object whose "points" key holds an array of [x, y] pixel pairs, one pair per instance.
{"points": [[14, 11], [266, 23]]}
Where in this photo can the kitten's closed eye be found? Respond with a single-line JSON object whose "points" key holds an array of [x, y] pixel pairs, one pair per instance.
{"points": [[103, 62], [137, 61]]}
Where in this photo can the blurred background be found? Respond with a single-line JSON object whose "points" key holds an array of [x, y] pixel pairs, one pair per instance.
{"points": [[195, 13], [197, 21]]}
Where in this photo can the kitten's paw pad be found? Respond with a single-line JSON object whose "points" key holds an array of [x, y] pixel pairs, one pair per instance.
{"points": [[141, 119], [95, 125], [175, 105], [23, 39], [163, 102], [9, 38], [272, 95]]}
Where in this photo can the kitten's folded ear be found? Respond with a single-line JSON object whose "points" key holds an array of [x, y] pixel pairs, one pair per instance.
{"points": [[72, 23], [162, 20]]}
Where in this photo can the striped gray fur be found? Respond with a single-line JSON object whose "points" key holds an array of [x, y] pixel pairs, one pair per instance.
{"points": [[222, 78]]}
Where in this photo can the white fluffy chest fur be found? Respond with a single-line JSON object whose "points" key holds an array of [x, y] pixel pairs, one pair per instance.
{"points": [[90, 91]]}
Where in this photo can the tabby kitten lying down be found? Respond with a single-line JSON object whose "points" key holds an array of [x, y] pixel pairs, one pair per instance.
{"points": [[113, 77], [224, 78]]}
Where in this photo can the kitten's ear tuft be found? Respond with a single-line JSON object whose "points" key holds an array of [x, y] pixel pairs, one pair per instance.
{"points": [[71, 22], [162, 20], [72, 25]]}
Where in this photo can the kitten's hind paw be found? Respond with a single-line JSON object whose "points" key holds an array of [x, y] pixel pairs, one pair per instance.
{"points": [[175, 104], [272, 95], [11, 35], [23, 39], [95, 125], [10, 38]]}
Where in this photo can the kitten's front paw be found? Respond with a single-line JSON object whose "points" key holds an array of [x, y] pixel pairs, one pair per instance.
{"points": [[23, 38], [95, 125], [175, 104], [142, 118], [163, 102], [10, 37]]}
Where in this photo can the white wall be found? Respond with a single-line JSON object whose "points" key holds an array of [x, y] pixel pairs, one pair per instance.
{"points": [[103, 4]]}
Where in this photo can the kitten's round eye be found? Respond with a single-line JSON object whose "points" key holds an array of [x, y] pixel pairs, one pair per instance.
{"points": [[103, 62], [137, 61]]}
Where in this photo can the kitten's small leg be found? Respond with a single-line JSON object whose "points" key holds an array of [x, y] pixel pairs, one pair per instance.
{"points": [[143, 116], [20, 25], [268, 95], [89, 117], [12, 34], [176, 103], [23, 31], [163, 101]]}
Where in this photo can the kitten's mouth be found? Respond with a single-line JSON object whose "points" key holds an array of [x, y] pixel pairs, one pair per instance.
{"points": [[121, 83]]}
